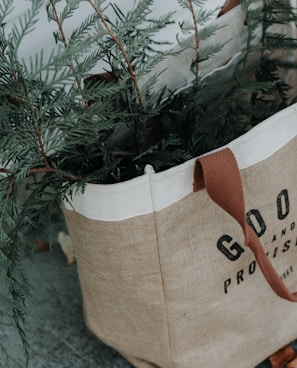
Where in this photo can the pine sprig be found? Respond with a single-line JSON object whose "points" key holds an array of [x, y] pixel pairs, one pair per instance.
{"points": [[25, 25], [62, 127], [84, 30], [6, 7]]}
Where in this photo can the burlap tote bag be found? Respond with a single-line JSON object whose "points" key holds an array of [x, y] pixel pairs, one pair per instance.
{"points": [[176, 275]]}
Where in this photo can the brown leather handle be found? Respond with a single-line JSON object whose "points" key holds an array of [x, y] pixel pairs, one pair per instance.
{"points": [[229, 4], [219, 174]]}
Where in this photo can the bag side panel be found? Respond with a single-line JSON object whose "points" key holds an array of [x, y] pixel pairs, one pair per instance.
{"points": [[221, 310], [119, 271]]}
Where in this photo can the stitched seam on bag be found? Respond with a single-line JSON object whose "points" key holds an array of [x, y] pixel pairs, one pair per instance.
{"points": [[163, 281], [164, 292]]}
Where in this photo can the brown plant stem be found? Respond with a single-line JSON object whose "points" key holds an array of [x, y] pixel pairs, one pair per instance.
{"points": [[17, 98], [197, 45], [10, 186], [197, 40], [78, 82], [15, 77], [125, 56], [121, 48], [38, 170], [41, 145], [64, 39], [37, 131]]}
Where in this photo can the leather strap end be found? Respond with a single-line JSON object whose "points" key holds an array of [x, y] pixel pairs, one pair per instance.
{"points": [[282, 357], [198, 177], [292, 363], [229, 4]]}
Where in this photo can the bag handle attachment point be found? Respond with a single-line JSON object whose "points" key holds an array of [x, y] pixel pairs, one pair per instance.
{"points": [[219, 174]]}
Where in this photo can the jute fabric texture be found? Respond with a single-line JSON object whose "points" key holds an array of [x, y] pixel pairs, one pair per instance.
{"points": [[166, 277], [177, 288]]}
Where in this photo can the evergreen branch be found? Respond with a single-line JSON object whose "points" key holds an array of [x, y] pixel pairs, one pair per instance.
{"points": [[189, 4], [64, 40], [26, 23], [37, 131], [137, 37], [129, 66], [41, 145], [15, 98], [209, 31], [69, 9], [44, 170], [5, 9], [196, 36], [277, 41], [122, 50], [45, 128], [84, 28]]}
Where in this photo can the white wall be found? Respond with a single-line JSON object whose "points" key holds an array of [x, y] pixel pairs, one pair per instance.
{"points": [[42, 36]]}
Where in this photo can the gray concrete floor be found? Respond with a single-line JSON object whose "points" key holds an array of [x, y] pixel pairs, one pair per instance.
{"points": [[55, 326]]}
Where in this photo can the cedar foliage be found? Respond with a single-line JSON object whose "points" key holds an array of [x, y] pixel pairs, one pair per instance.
{"points": [[62, 127]]}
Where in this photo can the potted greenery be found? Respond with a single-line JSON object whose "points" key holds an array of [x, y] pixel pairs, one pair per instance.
{"points": [[64, 126]]}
